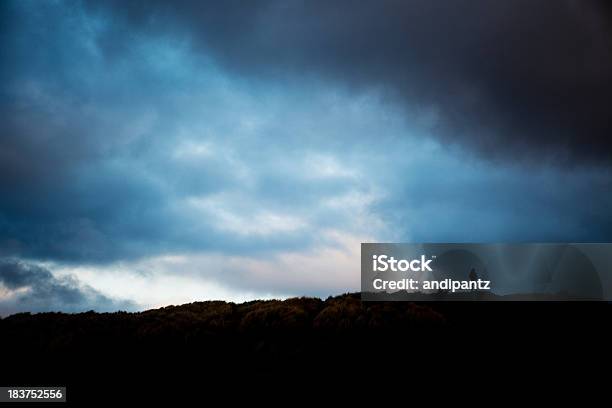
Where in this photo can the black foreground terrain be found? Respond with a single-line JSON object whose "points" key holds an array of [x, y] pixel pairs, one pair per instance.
{"points": [[216, 346]]}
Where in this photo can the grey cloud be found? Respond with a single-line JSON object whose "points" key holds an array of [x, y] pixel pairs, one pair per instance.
{"points": [[97, 96], [86, 172], [33, 288], [472, 202], [522, 78]]}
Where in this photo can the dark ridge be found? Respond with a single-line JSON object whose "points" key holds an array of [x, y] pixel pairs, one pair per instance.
{"points": [[288, 339]]}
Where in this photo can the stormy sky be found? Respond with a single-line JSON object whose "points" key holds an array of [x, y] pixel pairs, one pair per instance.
{"points": [[164, 152]]}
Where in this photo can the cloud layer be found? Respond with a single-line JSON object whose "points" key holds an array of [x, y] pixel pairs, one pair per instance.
{"points": [[256, 145], [524, 78], [31, 288]]}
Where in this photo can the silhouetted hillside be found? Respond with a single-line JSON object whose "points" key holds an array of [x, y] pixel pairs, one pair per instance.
{"points": [[217, 339], [292, 326], [250, 327]]}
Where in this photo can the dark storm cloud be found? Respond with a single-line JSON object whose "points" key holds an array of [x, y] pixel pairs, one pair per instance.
{"points": [[528, 78], [139, 129], [85, 167], [34, 288]]}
